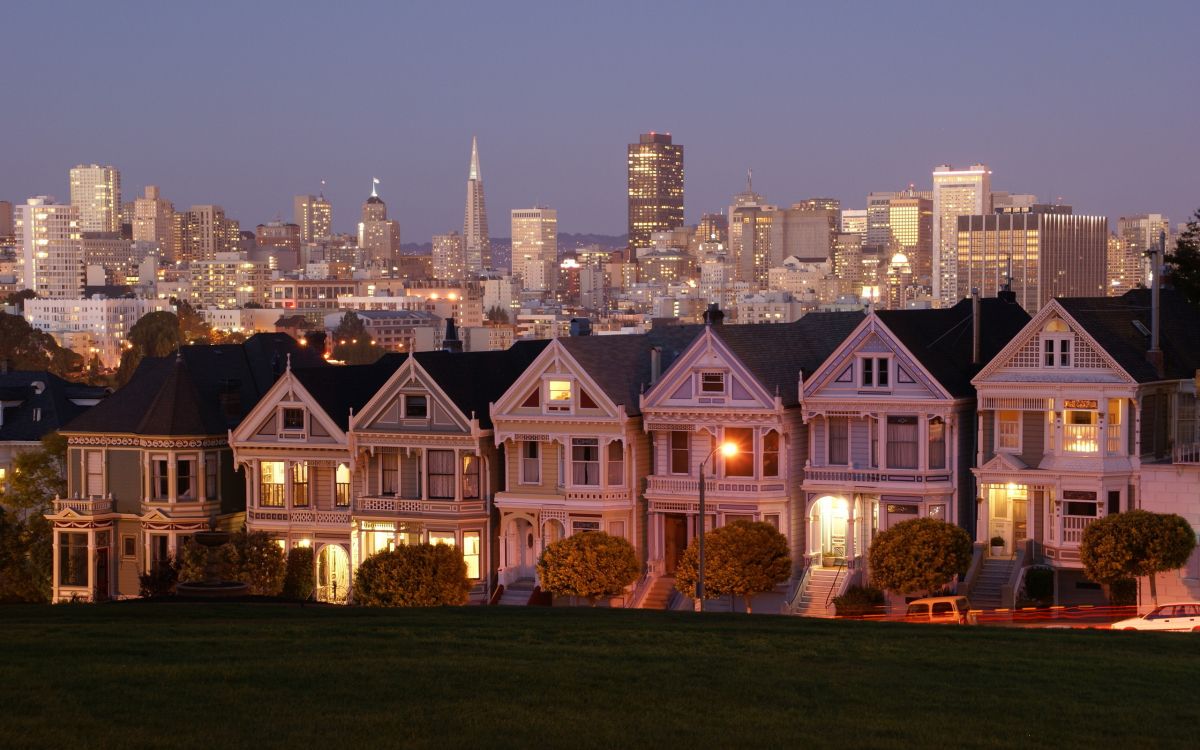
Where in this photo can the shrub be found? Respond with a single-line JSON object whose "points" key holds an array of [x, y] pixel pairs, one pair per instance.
{"points": [[1039, 584], [920, 555], [859, 601], [300, 580], [997, 541], [590, 565], [418, 575], [743, 559], [1123, 592], [1135, 544], [256, 560], [160, 581]]}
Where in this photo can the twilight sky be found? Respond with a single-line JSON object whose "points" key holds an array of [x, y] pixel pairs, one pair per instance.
{"points": [[245, 104]]}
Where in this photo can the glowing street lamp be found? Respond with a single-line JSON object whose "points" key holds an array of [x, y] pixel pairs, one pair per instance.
{"points": [[727, 449]]}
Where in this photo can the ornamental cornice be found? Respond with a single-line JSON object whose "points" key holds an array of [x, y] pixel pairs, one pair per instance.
{"points": [[409, 440], [138, 441]]}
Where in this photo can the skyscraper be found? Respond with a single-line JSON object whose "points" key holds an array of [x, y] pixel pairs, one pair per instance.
{"points": [[51, 257], [1129, 266], [378, 236], [956, 192], [449, 263], [154, 222], [535, 247], [750, 222], [476, 245], [96, 193], [6, 221], [314, 215], [206, 232], [910, 232], [655, 188]]}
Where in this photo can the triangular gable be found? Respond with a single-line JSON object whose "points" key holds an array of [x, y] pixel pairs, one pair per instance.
{"points": [[383, 411], [836, 376], [261, 422], [555, 359], [1004, 462], [678, 386], [1024, 352]]}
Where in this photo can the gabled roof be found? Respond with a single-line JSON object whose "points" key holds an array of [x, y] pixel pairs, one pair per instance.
{"points": [[474, 380], [942, 340], [340, 389], [200, 390], [54, 405], [1110, 321]]}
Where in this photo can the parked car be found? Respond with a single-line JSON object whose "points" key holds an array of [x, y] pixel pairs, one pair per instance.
{"points": [[949, 610], [1181, 616]]}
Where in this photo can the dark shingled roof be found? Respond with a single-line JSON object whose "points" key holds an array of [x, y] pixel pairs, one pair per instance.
{"points": [[1110, 320], [473, 380], [342, 388], [56, 402], [201, 390], [943, 339]]}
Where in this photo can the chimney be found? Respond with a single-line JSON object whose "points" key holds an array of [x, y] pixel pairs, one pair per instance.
{"points": [[581, 326], [655, 364], [1155, 355], [450, 342], [713, 315], [975, 357]]}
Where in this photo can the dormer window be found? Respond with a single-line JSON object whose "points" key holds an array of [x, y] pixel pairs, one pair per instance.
{"points": [[1056, 344], [561, 395], [875, 372], [415, 407], [712, 382], [293, 420]]}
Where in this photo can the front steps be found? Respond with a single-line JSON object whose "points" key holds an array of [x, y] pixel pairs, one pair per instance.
{"points": [[985, 593], [811, 601]]}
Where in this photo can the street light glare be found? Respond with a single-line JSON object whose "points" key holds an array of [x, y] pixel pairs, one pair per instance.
{"points": [[729, 449]]}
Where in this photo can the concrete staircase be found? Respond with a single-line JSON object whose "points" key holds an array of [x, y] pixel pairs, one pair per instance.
{"points": [[811, 601], [659, 593], [517, 594], [985, 593]]}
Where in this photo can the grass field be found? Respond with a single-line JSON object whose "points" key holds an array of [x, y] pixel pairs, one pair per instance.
{"points": [[221, 675]]}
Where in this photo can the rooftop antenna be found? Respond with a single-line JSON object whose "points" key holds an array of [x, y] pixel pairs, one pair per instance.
{"points": [[322, 188], [374, 187], [749, 180]]}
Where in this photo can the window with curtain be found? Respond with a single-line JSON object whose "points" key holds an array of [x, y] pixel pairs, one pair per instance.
{"points": [[470, 477], [740, 464], [770, 454], [271, 488], [72, 558], [616, 463], [94, 465], [531, 462], [471, 553], [389, 473], [341, 487], [839, 441], [186, 478], [937, 443], [441, 473], [300, 484], [585, 462], [902, 442], [681, 453]]}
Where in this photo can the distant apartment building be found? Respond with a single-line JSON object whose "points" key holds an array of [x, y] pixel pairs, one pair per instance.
{"points": [[309, 294], [314, 215], [535, 247], [108, 257], [48, 236], [93, 326], [1128, 264], [230, 280], [154, 223], [397, 330], [278, 234], [7, 233], [956, 192], [655, 187], [448, 258], [206, 232], [96, 193]]}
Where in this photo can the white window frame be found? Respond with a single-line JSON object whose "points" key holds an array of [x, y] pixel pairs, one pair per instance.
{"points": [[425, 397], [702, 391], [523, 476], [88, 455], [879, 363], [286, 433], [593, 443], [1061, 346], [561, 406], [1000, 447]]}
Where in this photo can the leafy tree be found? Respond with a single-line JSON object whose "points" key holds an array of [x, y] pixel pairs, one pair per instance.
{"points": [[1136, 544], [352, 343], [17, 299], [257, 560], [417, 575], [743, 559], [497, 314], [590, 565], [300, 580], [25, 558], [27, 348], [920, 555], [38, 476], [193, 328], [155, 334], [1183, 265], [160, 580]]}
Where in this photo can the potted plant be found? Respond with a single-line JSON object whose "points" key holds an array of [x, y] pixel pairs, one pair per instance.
{"points": [[997, 546]]}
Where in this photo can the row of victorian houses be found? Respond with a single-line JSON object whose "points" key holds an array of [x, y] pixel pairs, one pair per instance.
{"points": [[1017, 429]]}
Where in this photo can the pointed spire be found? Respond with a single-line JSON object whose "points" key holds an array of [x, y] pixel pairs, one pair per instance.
{"points": [[749, 180], [474, 173], [289, 362]]}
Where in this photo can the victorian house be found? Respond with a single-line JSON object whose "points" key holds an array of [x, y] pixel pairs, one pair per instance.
{"points": [[423, 458], [1081, 416], [570, 428], [734, 384], [151, 465], [891, 416]]}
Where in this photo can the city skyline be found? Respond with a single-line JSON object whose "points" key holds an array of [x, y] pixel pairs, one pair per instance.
{"points": [[272, 139]]}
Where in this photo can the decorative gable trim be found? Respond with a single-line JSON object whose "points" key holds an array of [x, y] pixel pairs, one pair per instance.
{"points": [[742, 389], [287, 390], [872, 336], [554, 360], [408, 376]]}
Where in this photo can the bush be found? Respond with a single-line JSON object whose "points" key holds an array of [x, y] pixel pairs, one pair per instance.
{"points": [[1039, 584], [300, 581], [255, 559], [1135, 544], [160, 581], [1123, 592], [418, 575], [859, 601], [590, 565], [743, 558], [920, 555]]}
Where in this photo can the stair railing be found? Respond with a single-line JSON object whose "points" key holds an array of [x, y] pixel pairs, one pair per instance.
{"points": [[792, 605], [841, 568]]}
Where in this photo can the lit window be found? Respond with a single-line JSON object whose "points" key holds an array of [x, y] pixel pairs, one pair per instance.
{"points": [[271, 487], [937, 443], [342, 486], [560, 395], [740, 464], [1081, 431], [1008, 431]]}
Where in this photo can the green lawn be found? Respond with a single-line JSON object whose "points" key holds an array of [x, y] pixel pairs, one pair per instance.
{"points": [[220, 675]]}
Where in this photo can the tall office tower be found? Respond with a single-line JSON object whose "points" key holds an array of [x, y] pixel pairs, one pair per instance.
{"points": [[1116, 268], [6, 222], [314, 215], [96, 192], [278, 234], [154, 222], [206, 232], [51, 258], [476, 244], [1130, 266], [750, 239], [854, 221], [806, 231], [847, 263], [1047, 252], [712, 228], [910, 230], [879, 209], [449, 261], [378, 236], [956, 192], [655, 188], [535, 247]]}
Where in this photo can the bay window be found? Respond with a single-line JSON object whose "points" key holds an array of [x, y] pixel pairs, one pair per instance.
{"points": [[212, 465], [585, 462], [740, 464], [470, 551], [271, 484], [902, 442], [937, 443], [160, 480], [839, 439], [72, 558], [389, 473], [681, 452], [770, 458], [1008, 431], [94, 466], [341, 486], [187, 479], [440, 468], [616, 464], [1114, 425], [300, 484], [470, 477], [531, 462]]}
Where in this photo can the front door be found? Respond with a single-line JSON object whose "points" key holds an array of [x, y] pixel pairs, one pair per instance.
{"points": [[1008, 517], [101, 574], [674, 541]]}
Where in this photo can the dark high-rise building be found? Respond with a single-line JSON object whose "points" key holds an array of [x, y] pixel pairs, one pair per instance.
{"points": [[655, 187]]}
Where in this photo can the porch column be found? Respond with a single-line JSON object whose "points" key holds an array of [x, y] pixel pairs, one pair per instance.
{"points": [[56, 573], [91, 579], [202, 479], [851, 529], [423, 477], [458, 475]]}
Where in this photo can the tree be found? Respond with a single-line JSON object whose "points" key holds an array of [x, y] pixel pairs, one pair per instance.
{"points": [[26, 348], [300, 580], [589, 565], [25, 558], [38, 476], [416, 575], [920, 555], [1136, 544], [155, 334], [193, 328], [352, 343], [17, 299], [497, 314], [743, 559], [1183, 265], [257, 560]]}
